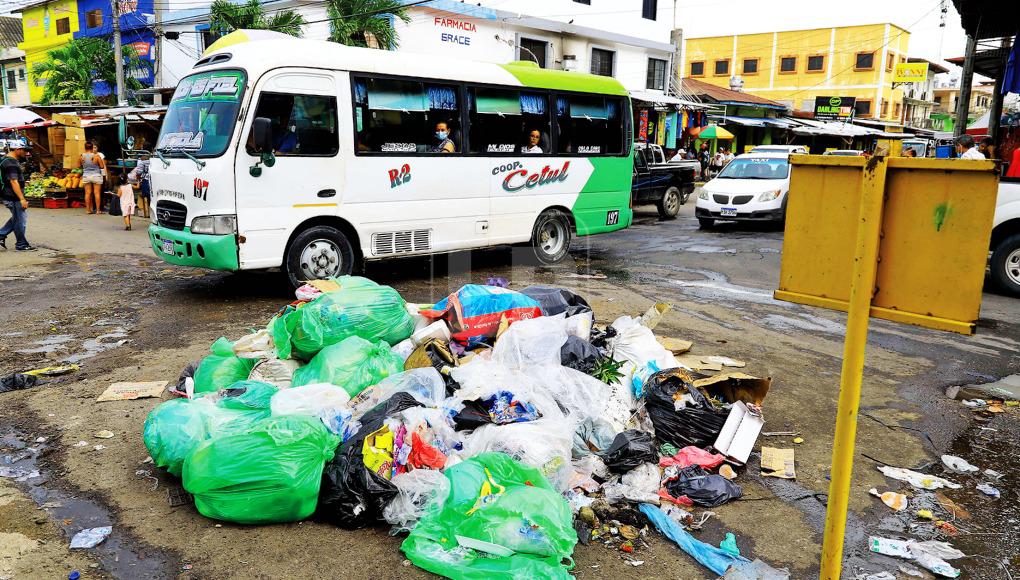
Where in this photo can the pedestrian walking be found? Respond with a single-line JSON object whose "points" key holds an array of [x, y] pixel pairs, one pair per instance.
{"points": [[126, 193], [140, 176], [704, 156], [13, 194], [92, 169]]}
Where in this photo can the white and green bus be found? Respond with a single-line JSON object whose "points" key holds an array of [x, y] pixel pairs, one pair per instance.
{"points": [[314, 157]]}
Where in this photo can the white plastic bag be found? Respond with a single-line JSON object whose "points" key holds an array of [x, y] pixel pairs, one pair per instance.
{"points": [[426, 385], [531, 342], [255, 345], [640, 484], [579, 325], [314, 400], [583, 396], [636, 346], [278, 372], [403, 349], [420, 490]]}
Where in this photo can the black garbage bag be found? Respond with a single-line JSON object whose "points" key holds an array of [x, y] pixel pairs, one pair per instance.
{"points": [[698, 423], [703, 488], [472, 416], [17, 381], [187, 372], [352, 496], [629, 449], [581, 355], [556, 300], [600, 338]]}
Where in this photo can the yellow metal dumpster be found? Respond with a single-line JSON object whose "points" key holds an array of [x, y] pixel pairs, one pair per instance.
{"points": [[936, 220]]}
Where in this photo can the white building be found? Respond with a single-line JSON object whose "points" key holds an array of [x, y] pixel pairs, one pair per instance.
{"points": [[626, 39], [13, 74]]}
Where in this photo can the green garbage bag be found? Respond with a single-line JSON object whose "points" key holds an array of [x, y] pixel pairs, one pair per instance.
{"points": [[247, 395], [221, 369], [269, 474], [360, 308], [354, 364], [495, 505], [174, 428]]}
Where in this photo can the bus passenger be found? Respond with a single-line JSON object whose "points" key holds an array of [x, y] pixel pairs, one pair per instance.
{"points": [[443, 142], [533, 138]]}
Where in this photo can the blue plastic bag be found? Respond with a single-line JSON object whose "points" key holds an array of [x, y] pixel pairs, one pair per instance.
{"points": [[709, 556]]}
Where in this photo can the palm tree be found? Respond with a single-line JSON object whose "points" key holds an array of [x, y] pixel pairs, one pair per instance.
{"points": [[354, 22], [71, 70], [226, 17]]}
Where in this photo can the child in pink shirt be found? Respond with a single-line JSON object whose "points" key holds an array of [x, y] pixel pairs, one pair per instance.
{"points": [[127, 199]]}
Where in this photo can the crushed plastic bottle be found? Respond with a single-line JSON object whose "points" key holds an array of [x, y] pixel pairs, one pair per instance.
{"points": [[729, 545]]}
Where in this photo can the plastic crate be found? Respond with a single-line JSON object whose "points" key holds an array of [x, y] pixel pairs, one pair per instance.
{"points": [[50, 203]]}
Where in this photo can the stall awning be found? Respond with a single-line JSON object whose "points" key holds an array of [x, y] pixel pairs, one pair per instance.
{"points": [[744, 121], [661, 99]]}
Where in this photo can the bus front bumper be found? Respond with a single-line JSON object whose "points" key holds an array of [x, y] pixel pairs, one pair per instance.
{"points": [[183, 248]]}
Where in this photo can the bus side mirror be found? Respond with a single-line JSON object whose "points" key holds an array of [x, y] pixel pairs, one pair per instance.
{"points": [[262, 137]]}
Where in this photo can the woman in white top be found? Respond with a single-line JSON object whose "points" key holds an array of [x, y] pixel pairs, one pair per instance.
{"points": [[532, 147]]}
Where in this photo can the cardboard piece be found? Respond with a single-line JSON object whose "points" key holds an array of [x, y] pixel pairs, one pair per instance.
{"points": [[726, 361], [739, 433], [696, 362], [674, 345], [130, 391], [777, 462], [733, 387], [324, 285]]}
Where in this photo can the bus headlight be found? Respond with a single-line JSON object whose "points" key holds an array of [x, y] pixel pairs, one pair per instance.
{"points": [[770, 195], [217, 225], [703, 195]]}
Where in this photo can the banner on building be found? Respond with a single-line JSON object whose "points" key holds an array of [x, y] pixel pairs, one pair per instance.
{"points": [[910, 72], [834, 108], [643, 125], [671, 129]]}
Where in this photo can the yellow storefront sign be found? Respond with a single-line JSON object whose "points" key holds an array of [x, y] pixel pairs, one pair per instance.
{"points": [[910, 72]]}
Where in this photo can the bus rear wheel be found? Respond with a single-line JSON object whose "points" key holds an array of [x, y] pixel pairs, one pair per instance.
{"points": [[551, 238], [317, 253]]}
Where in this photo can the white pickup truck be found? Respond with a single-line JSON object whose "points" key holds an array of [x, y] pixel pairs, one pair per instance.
{"points": [[1005, 247]]}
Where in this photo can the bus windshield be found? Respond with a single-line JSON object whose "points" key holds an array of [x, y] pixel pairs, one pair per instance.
{"points": [[202, 114], [756, 168]]}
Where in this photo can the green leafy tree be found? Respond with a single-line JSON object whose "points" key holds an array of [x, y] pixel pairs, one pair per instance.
{"points": [[70, 70], [226, 17], [353, 22]]}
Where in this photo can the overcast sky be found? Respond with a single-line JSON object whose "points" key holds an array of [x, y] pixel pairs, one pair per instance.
{"points": [[920, 17]]}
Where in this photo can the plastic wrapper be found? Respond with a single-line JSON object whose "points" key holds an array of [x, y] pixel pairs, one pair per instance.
{"points": [[698, 422], [275, 371], [353, 364], [271, 473], [360, 308], [431, 353], [691, 455], [583, 396], [508, 519], [419, 491], [592, 436], [580, 355], [709, 556], [222, 368], [474, 312], [640, 485], [424, 384], [529, 343], [174, 428], [312, 400], [629, 449], [702, 488], [90, 538], [404, 348], [257, 345], [557, 300], [353, 495]]}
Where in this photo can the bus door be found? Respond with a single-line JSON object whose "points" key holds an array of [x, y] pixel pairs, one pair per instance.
{"points": [[307, 175]]}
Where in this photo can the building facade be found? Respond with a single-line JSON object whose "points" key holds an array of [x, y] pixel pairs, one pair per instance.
{"points": [[946, 96], [630, 41], [13, 74], [46, 25], [793, 67], [136, 25], [919, 98]]}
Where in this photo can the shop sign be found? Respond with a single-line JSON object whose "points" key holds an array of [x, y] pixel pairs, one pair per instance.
{"points": [[910, 72], [455, 31], [834, 108]]}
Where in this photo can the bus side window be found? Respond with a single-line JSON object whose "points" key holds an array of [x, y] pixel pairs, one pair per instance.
{"points": [[396, 115], [303, 125], [590, 125], [502, 120]]}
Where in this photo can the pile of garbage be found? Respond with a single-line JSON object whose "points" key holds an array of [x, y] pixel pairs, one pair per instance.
{"points": [[496, 428]]}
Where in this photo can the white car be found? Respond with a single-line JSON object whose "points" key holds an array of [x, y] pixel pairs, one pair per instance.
{"points": [[1005, 248], [752, 187], [788, 149]]}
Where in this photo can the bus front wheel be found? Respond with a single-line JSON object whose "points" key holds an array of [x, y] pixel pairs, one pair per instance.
{"points": [[317, 253], [551, 237]]}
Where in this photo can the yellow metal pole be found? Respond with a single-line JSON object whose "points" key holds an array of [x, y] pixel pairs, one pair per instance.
{"points": [[862, 287]]}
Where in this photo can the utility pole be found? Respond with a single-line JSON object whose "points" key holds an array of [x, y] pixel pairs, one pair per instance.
{"points": [[118, 52], [963, 102]]}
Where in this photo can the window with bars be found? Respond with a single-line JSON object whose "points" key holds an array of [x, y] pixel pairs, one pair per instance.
{"points": [[602, 62], [656, 74]]}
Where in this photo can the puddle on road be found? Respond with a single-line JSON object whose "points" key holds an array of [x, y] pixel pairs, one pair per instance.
{"points": [[716, 288], [802, 322], [57, 344], [94, 346], [118, 554], [48, 345]]}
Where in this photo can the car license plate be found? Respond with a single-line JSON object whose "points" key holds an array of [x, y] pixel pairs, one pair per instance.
{"points": [[728, 212], [168, 247]]}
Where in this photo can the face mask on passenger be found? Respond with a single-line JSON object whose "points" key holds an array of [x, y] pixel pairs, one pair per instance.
{"points": [[441, 134]]}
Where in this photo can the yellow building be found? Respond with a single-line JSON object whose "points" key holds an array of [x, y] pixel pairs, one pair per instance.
{"points": [[47, 25], [794, 67]]}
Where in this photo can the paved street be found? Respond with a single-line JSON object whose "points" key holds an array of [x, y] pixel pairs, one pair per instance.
{"points": [[95, 294]]}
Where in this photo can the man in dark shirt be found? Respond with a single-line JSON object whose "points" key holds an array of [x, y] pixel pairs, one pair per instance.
{"points": [[13, 195]]}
